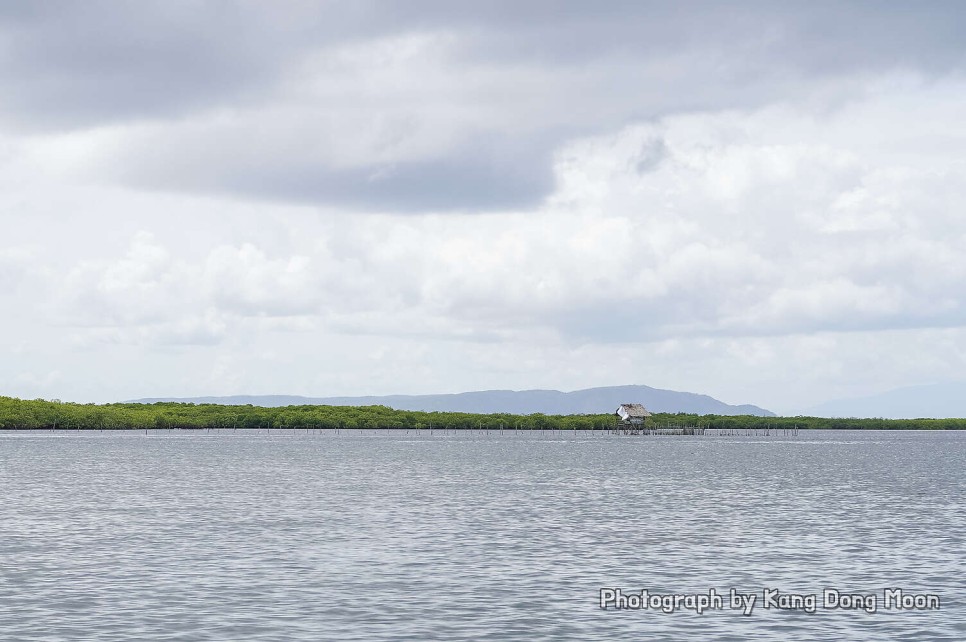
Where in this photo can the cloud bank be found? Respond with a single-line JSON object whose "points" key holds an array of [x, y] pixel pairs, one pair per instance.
{"points": [[758, 202]]}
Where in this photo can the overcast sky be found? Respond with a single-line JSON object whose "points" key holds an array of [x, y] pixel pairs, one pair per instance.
{"points": [[764, 202]]}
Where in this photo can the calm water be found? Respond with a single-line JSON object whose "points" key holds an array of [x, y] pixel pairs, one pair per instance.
{"points": [[376, 536]]}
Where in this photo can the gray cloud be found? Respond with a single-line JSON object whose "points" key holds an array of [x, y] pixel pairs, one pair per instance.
{"points": [[477, 175], [515, 81], [821, 37], [77, 65]]}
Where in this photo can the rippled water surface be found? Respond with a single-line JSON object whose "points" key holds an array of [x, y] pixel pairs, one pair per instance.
{"points": [[472, 536]]}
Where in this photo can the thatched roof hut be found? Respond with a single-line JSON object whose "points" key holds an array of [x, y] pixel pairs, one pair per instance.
{"points": [[632, 413]]}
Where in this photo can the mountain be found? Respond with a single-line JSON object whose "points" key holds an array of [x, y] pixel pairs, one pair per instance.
{"points": [[940, 401], [548, 402]]}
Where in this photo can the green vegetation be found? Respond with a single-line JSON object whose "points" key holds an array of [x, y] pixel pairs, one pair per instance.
{"points": [[18, 414]]}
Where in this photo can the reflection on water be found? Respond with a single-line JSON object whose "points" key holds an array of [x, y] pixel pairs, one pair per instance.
{"points": [[459, 536]]}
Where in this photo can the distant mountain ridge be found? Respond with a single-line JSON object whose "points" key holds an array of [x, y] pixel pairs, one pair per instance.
{"points": [[523, 402], [938, 401]]}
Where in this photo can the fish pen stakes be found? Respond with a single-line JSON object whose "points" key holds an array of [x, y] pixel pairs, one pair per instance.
{"points": [[673, 429]]}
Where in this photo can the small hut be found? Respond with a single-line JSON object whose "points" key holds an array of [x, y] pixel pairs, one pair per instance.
{"points": [[631, 417]]}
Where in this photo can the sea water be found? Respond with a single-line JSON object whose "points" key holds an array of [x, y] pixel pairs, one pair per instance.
{"points": [[395, 535]]}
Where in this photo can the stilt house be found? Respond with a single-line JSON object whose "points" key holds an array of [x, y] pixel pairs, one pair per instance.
{"points": [[631, 416]]}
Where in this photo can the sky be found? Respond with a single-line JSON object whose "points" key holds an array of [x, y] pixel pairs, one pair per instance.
{"points": [[760, 201]]}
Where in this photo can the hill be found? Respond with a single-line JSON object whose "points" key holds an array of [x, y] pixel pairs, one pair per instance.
{"points": [[548, 402], [939, 401]]}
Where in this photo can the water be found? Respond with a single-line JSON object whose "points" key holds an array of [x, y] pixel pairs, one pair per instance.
{"points": [[472, 536]]}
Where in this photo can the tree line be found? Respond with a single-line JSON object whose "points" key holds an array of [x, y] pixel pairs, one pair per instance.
{"points": [[40, 414]]}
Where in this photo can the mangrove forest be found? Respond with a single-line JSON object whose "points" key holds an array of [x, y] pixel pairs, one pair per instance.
{"points": [[40, 414]]}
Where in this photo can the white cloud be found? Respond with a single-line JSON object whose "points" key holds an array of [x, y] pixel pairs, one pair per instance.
{"points": [[730, 231], [776, 251]]}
